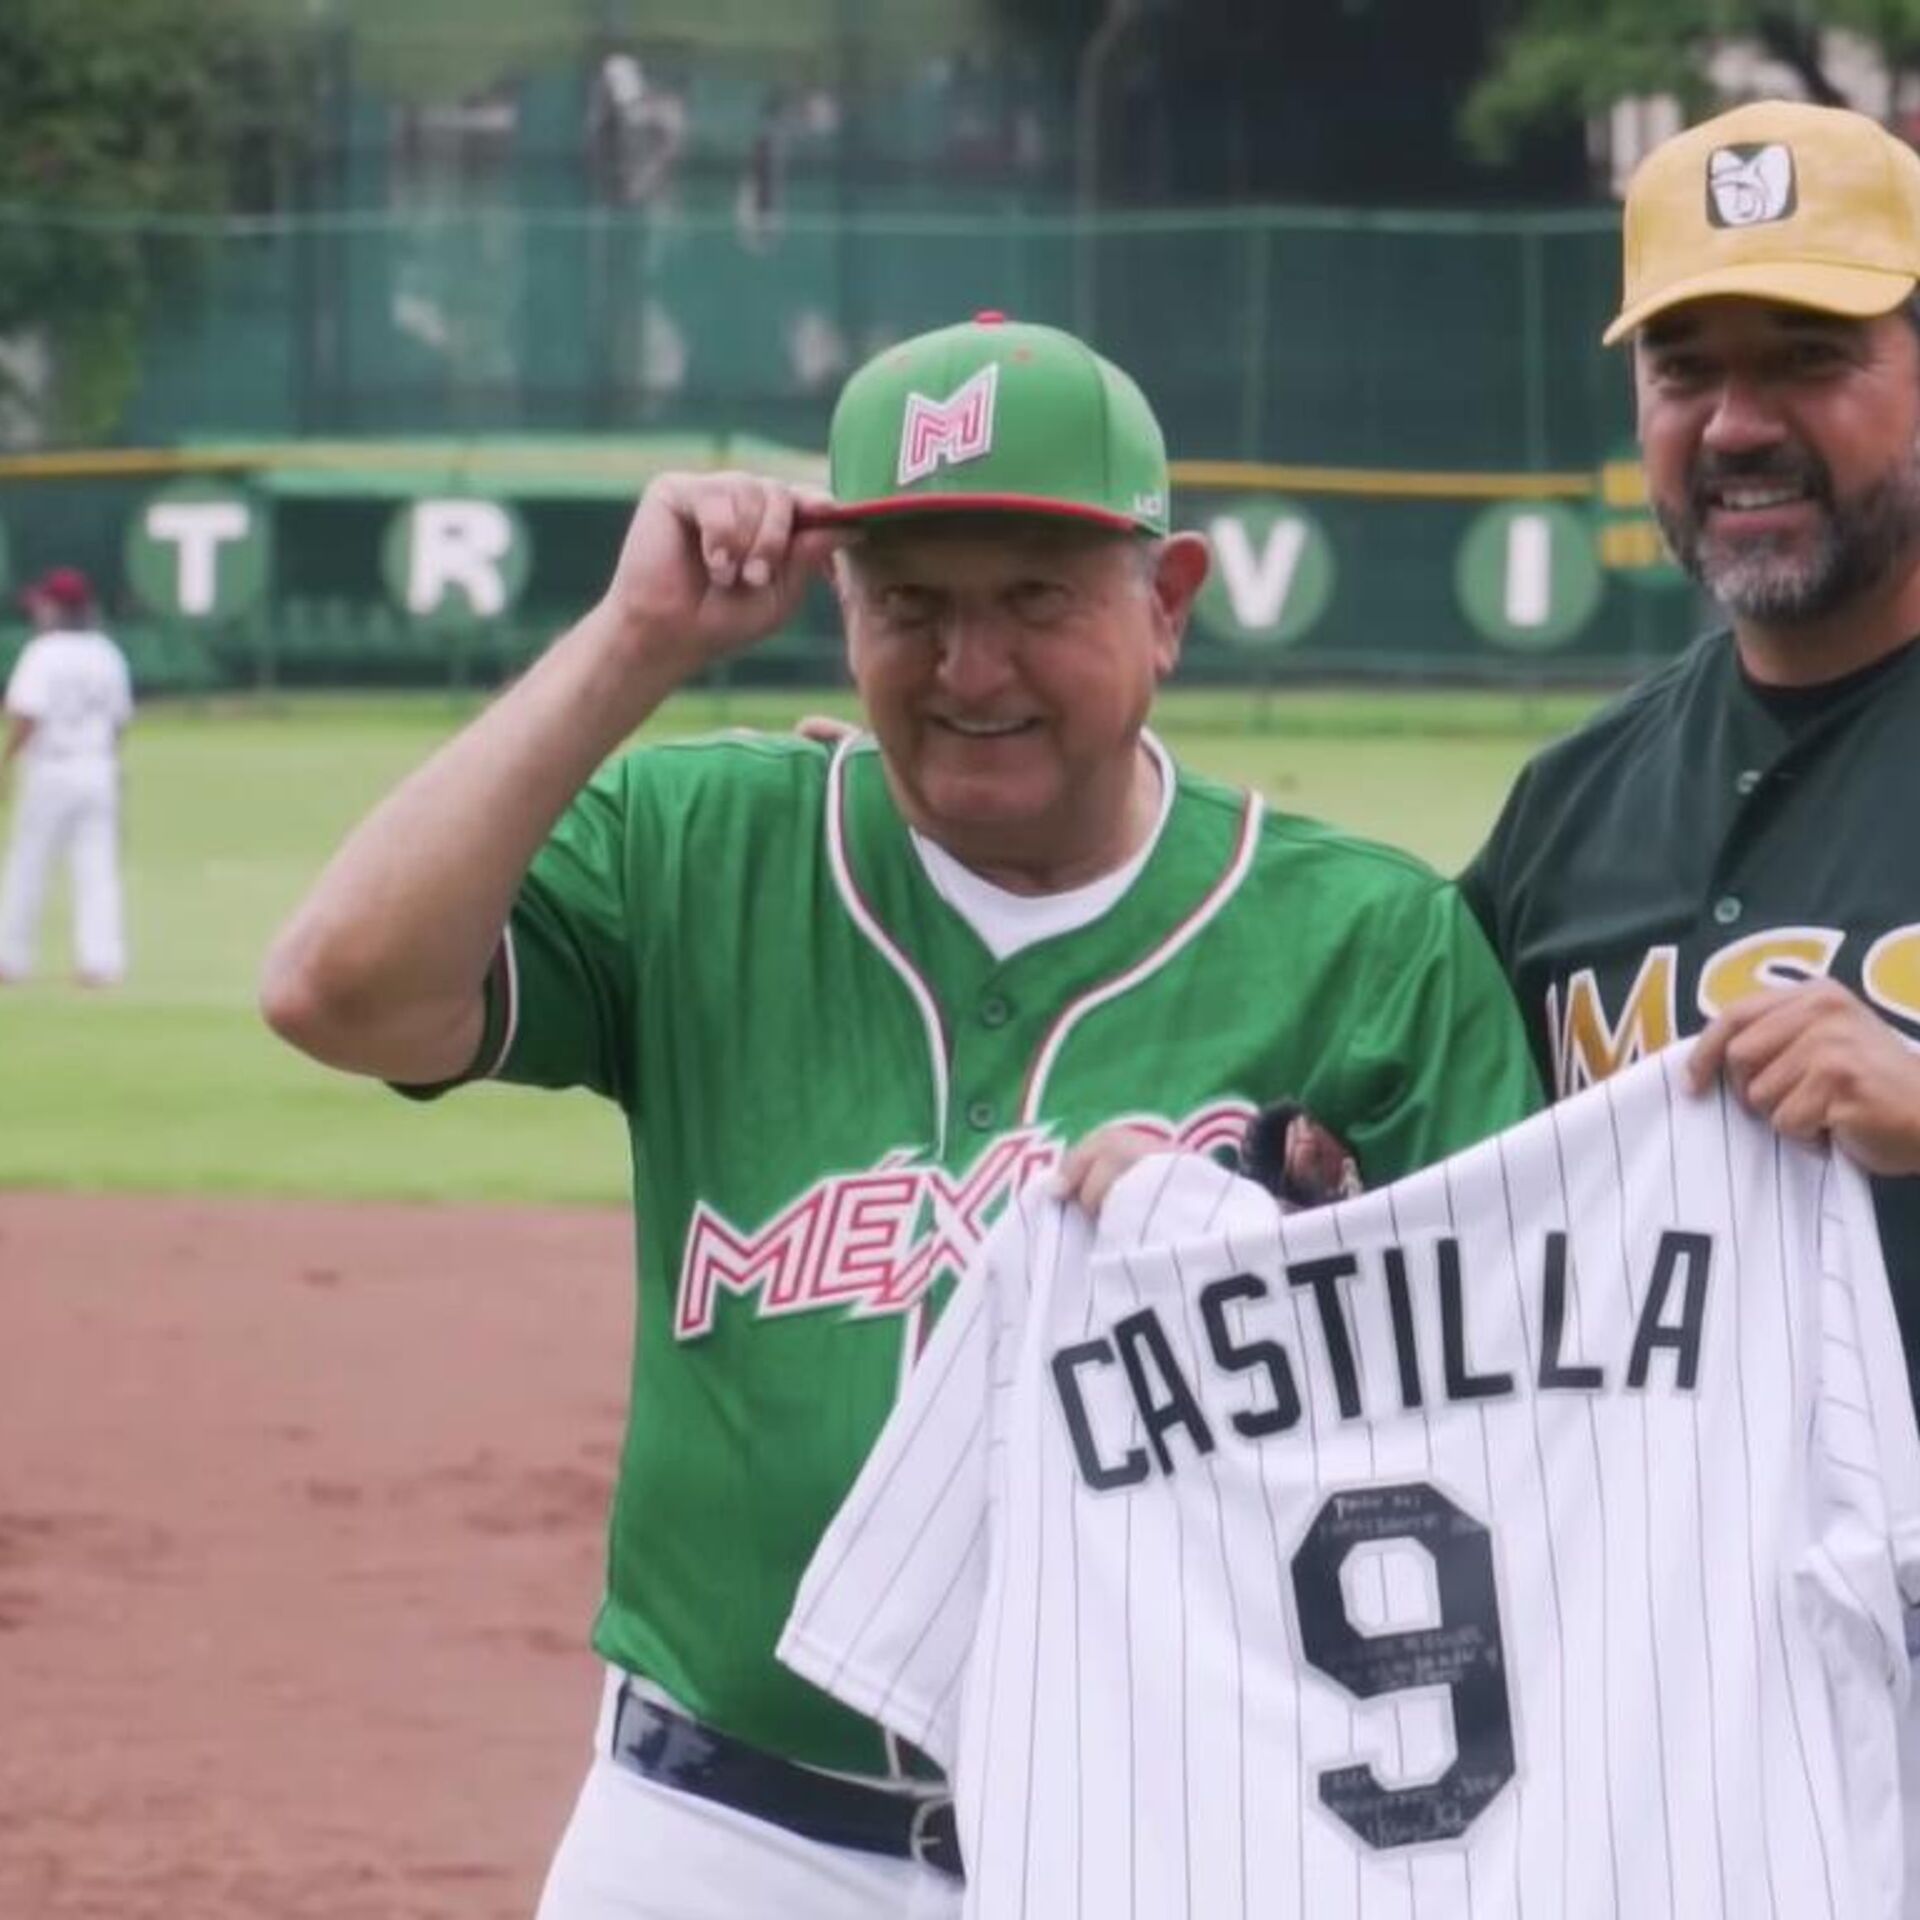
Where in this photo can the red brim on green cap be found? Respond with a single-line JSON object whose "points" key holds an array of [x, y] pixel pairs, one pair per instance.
{"points": [[831, 513]]}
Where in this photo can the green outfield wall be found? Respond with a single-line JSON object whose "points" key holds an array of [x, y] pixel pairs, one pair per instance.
{"points": [[429, 563]]}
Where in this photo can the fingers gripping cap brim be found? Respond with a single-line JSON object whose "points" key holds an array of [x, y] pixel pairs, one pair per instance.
{"points": [[1853, 293]]}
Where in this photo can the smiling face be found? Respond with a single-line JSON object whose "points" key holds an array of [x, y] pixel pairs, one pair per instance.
{"points": [[1006, 665], [1782, 454]]}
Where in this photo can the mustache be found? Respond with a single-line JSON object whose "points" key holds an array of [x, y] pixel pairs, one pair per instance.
{"points": [[1782, 466]]}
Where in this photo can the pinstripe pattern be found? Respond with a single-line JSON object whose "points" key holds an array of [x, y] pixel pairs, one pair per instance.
{"points": [[1166, 1614], [1611, 1093], [1081, 1627], [1603, 1639], [1799, 1676], [1708, 1669], [1517, 1788], [1377, 1585], [1543, 1519], [1454, 1895], [1761, 1285]]}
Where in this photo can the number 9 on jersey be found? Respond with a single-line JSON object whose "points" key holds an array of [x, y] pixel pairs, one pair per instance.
{"points": [[1460, 1650]]}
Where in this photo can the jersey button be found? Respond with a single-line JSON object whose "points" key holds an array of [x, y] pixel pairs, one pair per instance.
{"points": [[994, 1011], [1750, 778], [980, 1115], [1727, 909]]}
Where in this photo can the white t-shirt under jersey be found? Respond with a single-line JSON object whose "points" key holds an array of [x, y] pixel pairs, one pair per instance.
{"points": [[1009, 923], [1527, 1540], [75, 687]]}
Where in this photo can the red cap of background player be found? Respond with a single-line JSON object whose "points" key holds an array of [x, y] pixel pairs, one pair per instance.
{"points": [[64, 587]]}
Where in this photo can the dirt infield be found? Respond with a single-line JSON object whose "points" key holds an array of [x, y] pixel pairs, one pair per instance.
{"points": [[301, 1513]]}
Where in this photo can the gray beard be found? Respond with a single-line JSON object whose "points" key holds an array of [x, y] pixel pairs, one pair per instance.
{"points": [[1766, 582]]}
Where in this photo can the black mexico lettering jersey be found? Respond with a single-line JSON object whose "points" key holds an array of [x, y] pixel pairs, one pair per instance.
{"points": [[1698, 840], [1526, 1538]]}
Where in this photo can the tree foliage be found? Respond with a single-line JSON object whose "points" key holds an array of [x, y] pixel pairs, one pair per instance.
{"points": [[433, 51], [1563, 60], [439, 50], [111, 112]]}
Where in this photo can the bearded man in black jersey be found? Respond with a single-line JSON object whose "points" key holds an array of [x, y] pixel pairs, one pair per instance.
{"points": [[1735, 844]]}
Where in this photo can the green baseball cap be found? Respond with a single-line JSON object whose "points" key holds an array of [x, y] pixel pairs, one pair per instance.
{"points": [[995, 416]]}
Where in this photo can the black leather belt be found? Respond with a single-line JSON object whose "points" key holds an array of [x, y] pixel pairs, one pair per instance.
{"points": [[662, 1745]]}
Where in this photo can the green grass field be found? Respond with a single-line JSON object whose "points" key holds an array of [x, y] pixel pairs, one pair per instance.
{"points": [[174, 1084]]}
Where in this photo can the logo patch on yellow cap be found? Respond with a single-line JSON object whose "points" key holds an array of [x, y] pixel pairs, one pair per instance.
{"points": [[1751, 185]]}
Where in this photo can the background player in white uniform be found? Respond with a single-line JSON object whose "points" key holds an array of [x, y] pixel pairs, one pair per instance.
{"points": [[1524, 1538], [69, 698]]}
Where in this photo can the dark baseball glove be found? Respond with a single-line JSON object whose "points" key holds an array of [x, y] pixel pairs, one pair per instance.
{"points": [[1299, 1161]]}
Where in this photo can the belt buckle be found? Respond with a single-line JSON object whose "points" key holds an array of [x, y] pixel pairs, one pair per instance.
{"points": [[921, 1837]]}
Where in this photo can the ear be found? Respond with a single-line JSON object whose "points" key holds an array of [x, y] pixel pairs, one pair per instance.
{"points": [[1177, 579], [845, 592]]}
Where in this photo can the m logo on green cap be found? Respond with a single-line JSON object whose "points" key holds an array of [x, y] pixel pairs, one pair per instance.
{"points": [[937, 433]]}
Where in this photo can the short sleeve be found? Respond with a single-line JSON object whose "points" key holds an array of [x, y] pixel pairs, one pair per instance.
{"points": [[1442, 1059], [572, 952], [887, 1613], [27, 683], [1481, 880], [557, 998]]}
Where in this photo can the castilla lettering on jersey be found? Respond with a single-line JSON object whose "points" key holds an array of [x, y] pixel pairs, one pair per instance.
{"points": [[1158, 1399], [874, 1241]]}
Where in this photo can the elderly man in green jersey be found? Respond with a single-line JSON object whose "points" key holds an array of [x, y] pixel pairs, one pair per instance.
{"points": [[848, 1000]]}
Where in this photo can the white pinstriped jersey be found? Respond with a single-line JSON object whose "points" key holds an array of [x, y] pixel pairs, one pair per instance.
{"points": [[1522, 1541]]}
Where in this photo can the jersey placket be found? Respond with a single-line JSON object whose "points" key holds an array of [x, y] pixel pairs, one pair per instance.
{"points": [[1747, 776]]}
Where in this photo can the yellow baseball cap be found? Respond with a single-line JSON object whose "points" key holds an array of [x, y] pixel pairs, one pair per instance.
{"points": [[1810, 206]]}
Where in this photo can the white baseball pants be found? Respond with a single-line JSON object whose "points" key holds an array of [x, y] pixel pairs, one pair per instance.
{"points": [[635, 1850], [71, 808]]}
